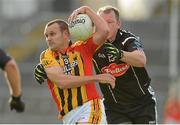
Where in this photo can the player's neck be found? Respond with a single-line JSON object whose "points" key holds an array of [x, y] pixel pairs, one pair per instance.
{"points": [[64, 47]]}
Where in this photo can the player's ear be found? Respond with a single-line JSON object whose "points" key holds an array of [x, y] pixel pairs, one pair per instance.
{"points": [[66, 33], [119, 24]]}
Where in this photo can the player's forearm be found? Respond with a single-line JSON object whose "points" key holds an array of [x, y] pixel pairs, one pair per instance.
{"points": [[102, 29], [69, 81], [13, 78], [101, 25], [136, 58]]}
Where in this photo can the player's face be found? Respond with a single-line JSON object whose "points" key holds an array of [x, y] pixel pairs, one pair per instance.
{"points": [[54, 37], [112, 22]]}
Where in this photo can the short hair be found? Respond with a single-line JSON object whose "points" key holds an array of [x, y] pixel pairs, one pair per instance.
{"points": [[107, 9], [62, 24]]}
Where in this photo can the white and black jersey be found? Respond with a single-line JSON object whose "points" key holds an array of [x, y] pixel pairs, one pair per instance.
{"points": [[132, 100], [131, 82]]}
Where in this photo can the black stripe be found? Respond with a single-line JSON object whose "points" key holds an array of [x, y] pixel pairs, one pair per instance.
{"points": [[70, 102], [76, 68], [79, 96], [62, 113], [62, 100]]}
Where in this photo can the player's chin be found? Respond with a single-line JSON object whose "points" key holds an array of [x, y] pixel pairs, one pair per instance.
{"points": [[53, 48], [109, 37]]}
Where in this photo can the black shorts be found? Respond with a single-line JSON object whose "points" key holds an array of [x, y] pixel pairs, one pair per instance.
{"points": [[141, 114], [4, 58]]}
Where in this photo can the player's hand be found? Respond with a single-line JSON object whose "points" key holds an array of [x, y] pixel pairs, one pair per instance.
{"points": [[106, 55], [81, 10], [40, 74], [111, 51], [107, 78], [17, 104]]}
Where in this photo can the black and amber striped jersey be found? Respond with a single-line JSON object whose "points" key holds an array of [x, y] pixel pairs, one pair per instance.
{"points": [[75, 60], [131, 82]]}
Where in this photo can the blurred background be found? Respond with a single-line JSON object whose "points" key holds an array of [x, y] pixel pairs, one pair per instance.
{"points": [[22, 23]]}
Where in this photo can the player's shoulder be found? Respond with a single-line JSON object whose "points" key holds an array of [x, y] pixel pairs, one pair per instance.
{"points": [[45, 53], [126, 36], [126, 33], [2, 52], [82, 44], [77, 43]]}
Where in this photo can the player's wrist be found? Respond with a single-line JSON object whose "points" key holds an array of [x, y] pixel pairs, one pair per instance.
{"points": [[16, 98], [121, 54], [86, 9]]}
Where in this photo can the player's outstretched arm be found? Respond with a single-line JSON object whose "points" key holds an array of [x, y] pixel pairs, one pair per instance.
{"points": [[13, 78], [64, 81]]}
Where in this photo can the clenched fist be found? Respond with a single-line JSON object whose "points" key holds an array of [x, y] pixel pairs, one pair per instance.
{"points": [[17, 104]]}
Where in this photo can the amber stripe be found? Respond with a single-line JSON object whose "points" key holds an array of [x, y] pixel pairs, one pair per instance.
{"points": [[96, 112]]}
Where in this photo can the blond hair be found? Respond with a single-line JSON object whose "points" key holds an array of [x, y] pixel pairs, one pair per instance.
{"points": [[107, 9]]}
